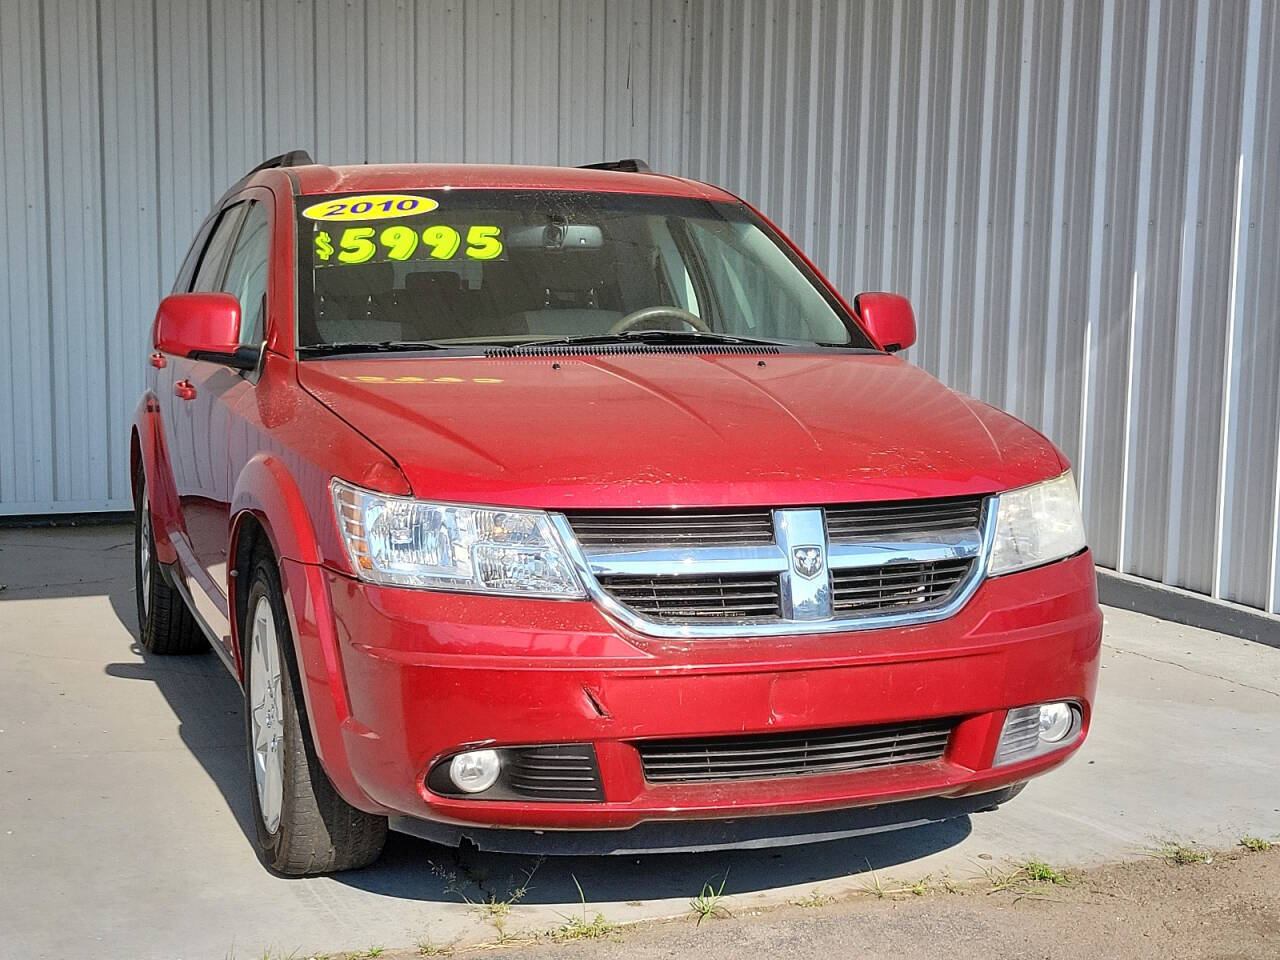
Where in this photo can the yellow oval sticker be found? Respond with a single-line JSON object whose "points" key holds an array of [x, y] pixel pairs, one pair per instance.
{"points": [[370, 206]]}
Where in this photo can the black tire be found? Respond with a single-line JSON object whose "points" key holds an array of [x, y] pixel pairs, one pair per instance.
{"points": [[318, 831], [165, 625]]}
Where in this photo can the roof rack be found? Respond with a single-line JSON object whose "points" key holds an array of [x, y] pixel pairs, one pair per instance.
{"points": [[629, 165], [294, 158]]}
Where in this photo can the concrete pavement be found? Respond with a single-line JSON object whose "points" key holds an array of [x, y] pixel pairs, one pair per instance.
{"points": [[124, 795]]}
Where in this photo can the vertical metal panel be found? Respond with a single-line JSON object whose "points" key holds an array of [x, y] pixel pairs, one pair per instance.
{"points": [[130, 216], [26, 420], [535, 106], [1082, 199], [342, 83], [581, 121], [486, 84], [389, 86], [235, 79], [440, 122], [73, 139], [1066, 176]]}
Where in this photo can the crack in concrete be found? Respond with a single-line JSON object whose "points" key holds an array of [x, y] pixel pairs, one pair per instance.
{"points": [[1198, 673]]}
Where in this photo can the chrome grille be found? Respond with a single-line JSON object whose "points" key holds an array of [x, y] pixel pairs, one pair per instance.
{"points": [[761, 756], [664, 528], [895, 520], [697, 598], [896, 585], [737, 572]]}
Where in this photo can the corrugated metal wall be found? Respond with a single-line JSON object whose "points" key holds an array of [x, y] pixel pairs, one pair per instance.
{"points": [[1081, 198]]}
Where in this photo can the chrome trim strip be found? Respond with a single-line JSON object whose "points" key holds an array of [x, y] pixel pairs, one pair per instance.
{"points": [[877, 553], [683, 561], [674, 561], [690, 560]]}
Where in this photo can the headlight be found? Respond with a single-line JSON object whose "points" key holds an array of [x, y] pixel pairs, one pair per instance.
{"points": [[444, 546], [1037, 525]]}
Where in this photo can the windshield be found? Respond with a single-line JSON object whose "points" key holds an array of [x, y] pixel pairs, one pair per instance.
{"points": [[458, 267]]}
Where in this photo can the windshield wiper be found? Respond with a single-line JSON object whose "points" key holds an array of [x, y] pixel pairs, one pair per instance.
{"points": [[653, 336], [365, 346]]}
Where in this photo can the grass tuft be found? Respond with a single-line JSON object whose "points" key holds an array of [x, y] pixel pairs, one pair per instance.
{"points": [[1037, 871], [814, 899], [1255, 844], [428, 949], [708, 904], [581, 928], [1178, 854]]}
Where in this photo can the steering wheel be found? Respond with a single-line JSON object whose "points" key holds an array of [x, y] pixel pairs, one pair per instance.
{"points": [[637, 317]]}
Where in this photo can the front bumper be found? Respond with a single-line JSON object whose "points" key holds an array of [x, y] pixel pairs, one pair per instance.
{"points": [[423, 674]]}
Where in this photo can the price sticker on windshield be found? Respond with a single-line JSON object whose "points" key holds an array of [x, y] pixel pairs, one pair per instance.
{"points": [[402, 241], [370, 206]]}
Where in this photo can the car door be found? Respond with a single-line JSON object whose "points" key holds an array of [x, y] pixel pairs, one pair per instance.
{"points": [[209, 393], [188, 466]]}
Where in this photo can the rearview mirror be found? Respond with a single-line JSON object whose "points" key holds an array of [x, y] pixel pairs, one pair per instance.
{"points": [[556, 236], [888, 320], [203, 326]]}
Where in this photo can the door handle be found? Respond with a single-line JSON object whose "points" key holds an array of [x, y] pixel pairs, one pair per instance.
{"points": [[158, 361], [184, 389]]}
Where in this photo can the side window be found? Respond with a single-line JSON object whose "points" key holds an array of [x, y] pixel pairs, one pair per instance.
{"points": [[187, 271], [215, 254], [247, 273], [750, 298]]}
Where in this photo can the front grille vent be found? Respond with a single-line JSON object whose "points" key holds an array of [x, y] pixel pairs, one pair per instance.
{"points": [[647, 529], [559, 772], [891, 521], [875, 589], [738, 596], [772, 755], [1020, 735]]}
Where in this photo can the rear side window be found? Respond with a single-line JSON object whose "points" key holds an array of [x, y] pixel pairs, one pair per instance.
{"points": [[209, 273], [246, 278]]}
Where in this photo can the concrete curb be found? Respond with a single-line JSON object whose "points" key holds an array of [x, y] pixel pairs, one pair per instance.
{"points": [[1183, 606]]}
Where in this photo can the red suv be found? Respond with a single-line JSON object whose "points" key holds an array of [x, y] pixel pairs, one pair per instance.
{"points": [[574, 510]]}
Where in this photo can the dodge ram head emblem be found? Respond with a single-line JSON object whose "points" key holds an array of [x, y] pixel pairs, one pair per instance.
{"points": [[807, 561]]}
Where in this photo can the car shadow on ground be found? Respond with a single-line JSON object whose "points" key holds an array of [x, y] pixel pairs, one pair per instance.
{"points": [[208, 705]]}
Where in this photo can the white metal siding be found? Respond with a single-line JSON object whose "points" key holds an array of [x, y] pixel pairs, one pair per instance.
{"points": [[1081, 198]]}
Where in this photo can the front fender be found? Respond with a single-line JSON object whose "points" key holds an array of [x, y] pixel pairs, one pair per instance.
{"points": [[267, 492]]}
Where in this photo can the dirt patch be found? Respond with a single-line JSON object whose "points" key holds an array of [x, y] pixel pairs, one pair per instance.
{"points": [[1227, 908]]}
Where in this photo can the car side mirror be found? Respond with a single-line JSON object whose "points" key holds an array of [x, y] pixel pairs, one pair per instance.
{"points": [[203, 326], [888, 320]]}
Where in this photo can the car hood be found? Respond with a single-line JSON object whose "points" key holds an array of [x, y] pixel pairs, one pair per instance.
{"points": [[677, 429]]}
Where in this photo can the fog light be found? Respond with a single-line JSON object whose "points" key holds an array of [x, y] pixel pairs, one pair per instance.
{"points": [[1056, 721], [475, 771]]}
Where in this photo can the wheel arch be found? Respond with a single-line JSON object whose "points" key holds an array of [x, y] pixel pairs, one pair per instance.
{"points": [[269, 513]]}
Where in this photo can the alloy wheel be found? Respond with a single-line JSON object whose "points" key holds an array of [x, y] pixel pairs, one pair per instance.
{"points": [[266, 722]]}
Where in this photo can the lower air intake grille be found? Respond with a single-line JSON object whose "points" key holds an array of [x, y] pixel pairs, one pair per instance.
{"points": [[915, 585], [764, 756], [743, 596], [560, 772]]}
